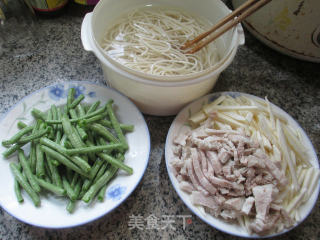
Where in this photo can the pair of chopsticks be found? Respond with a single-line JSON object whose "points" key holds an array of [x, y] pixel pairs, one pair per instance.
{"points": [[225, 24]]}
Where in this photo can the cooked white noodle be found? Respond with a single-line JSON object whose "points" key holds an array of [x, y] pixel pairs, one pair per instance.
{"points": [[149, 39]]}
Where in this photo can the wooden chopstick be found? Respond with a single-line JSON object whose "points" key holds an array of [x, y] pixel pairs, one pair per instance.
{"points": [[225, 24]]}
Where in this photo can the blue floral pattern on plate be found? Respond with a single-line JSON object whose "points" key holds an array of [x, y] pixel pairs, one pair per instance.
{"points": [[58, 91], [92, 94], [115, 192], [79, 90], [212, 98]]}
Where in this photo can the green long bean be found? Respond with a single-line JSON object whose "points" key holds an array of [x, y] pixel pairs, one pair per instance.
{"points": [[104, 179], [72, 203], [51, 187], [81, 163], [27, 170], [89, 143], [40, 161], [8, 152], [102, 193], [21, 125], [116, 163], [116, 125], [92, 174], [93, 149], [108, 124], [71, 133], [93, 107], [55, 116], [77, 101], [62, 159], [49, 143], [104, 132], [71, 206], [56, 178], [70, 97], [15, 138], [17, 191], [37, 114], [81, 111], [66, 185], [37, 135], [22, 181]]}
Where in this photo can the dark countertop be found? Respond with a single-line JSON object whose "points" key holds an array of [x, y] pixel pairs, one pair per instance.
{"points": [[31, 61]]}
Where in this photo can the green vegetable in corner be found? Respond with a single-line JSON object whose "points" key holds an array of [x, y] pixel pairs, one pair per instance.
{"points": [[74, 152]]}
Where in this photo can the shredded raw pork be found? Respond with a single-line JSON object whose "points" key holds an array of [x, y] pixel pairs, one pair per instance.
{"points": [[225, 172]]}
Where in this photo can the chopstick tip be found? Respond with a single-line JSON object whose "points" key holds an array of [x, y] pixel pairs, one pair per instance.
{"points": [[186, 45]]}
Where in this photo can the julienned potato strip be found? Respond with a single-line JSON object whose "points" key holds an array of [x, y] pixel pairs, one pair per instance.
{"points": [[74, 151], [276, 137]]}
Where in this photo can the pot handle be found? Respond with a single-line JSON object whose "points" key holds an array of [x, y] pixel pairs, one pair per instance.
{"points": [[86, 34], [241, 38]]}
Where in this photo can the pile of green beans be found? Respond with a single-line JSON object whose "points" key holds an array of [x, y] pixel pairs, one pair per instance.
{"points": [[75, 151]]}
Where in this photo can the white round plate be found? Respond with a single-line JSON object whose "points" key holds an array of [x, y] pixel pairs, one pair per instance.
{"points": [[52, 213], [180, 124]]}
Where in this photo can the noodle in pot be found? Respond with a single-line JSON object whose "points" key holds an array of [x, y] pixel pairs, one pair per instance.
{"points": [[148, 40]]}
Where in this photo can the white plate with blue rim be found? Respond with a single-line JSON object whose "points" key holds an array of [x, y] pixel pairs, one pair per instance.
{"points": [[118, 189], [180, 125]]}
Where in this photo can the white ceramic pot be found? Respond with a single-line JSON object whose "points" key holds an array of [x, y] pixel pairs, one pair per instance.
{"points": [[289, 26], [154, 95]]}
